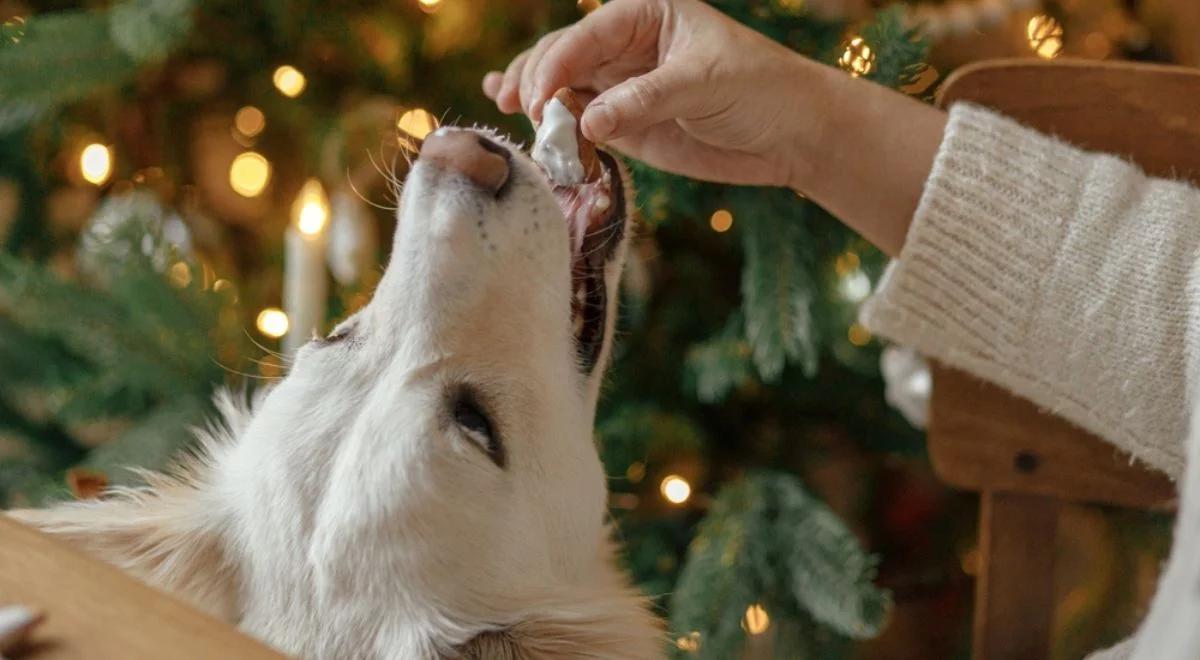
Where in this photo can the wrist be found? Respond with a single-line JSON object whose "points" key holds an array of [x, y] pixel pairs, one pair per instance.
{"points": [[813, 90]]}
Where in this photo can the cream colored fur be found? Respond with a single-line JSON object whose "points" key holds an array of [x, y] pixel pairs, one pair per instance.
{"points": [[345, 515]]}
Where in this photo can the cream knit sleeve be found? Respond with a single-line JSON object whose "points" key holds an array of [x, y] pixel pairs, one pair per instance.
{"points": [[1068, 277]]}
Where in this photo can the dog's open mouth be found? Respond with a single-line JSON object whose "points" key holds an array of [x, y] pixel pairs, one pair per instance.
{"points": [[595, 214]]}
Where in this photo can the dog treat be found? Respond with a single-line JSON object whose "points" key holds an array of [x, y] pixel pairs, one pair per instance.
{"points": [[560, 148]]}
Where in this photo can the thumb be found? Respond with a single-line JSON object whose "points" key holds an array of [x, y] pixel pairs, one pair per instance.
{"points": [[637, 103]]}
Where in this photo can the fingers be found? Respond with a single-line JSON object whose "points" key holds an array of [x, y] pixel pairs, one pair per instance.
{"points": [[621, 28], [527, 80], [491, 84], [663, 94], [508, 98]]}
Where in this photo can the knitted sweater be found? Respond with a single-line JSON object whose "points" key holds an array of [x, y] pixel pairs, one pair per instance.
{"points": [[1070, 278]]}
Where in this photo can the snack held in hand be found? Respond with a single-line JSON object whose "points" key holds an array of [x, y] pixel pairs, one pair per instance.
{"points": [[560, 148]]}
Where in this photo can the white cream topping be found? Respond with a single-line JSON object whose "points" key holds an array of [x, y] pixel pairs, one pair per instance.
{"points": [[555, 147]]}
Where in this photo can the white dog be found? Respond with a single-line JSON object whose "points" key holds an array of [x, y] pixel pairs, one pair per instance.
{"points": [[424, 481]]}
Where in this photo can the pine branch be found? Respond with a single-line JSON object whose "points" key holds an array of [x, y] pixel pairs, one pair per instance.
{"points": [[67, 56], [777, 295], [716, 367], [767, 541], [62, 57], [900, 51], [642, 432]]}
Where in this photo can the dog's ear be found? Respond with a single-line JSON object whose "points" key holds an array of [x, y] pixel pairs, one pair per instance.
{"points": [[576, 626], [166, 534]]}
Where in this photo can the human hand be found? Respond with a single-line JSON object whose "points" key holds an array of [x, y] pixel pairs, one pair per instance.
{"points": [[676, 84]]}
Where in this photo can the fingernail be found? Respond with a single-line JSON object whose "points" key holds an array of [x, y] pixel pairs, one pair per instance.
{"points": [[599, 120]]}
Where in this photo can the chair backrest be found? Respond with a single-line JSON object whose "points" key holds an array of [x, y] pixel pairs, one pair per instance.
{"points": [[982, 438]]}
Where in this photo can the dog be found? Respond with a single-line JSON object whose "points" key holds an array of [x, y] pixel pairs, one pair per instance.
{"points": [[423, 483]]}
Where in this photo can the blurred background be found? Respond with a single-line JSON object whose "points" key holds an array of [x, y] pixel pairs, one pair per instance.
{"points": [[188, 189]]}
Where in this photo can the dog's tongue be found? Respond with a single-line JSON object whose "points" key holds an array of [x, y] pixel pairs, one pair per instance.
{"points": [[586, 208]]}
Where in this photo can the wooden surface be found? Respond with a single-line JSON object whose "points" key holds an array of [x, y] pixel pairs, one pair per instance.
{"points": [[1148, 113], [983, 438], [94, 611], [1015, 589]]}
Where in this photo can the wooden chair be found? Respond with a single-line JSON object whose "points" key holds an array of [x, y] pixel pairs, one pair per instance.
{"points": [[95, 611], [1025, 463]]}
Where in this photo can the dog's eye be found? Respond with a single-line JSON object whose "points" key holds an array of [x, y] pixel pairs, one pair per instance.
{"points": [[338, 335], [474, 422]]}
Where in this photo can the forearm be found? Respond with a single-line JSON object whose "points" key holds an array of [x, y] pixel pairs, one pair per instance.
{"points": [[865, 153]]}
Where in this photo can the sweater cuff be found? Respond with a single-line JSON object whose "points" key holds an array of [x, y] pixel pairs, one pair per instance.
{"points": [[981, 277], [990, 220]]}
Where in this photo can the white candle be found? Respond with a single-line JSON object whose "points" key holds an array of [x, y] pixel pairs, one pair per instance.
{"points": [[305, 283]]}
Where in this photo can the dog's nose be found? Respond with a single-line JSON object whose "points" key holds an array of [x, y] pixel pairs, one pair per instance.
{"points": [[470, 154]]}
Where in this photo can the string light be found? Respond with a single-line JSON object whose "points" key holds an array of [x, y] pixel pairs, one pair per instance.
{"points": [[249, 121], [846, 263], [289, 81], [721, 221], [180, 274], [689, 642], [636, 472], [416, 123], [311, 208], [95, 164], [1045, 35], [588, 6], [429, 6], [13, 29], [855, 286], [675, 489], [756, 620], [858, 59], [249, 174], [272, 322], [858, 335]]}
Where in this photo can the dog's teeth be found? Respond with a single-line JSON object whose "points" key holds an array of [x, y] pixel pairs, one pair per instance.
{"points": [[601, 203]]}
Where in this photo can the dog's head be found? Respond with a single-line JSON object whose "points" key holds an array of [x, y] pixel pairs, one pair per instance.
{"points": [[424, 481]]}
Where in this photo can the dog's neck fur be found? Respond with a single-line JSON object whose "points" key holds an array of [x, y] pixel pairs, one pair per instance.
{"points": [[344, 514]]}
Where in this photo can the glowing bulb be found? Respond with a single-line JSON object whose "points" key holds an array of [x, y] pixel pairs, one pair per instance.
{"points": [[1045, 35], [95, 163], [756, 620], [289, 81], [858, 59], [858, 335], [855, 286], [587, 6], [272, 322], [689, 642], [249, 174], [636, 472], [429, 6], [311, 208], [721, 221], [249, 121], [417, 122], [675, 489], [180, 274]]}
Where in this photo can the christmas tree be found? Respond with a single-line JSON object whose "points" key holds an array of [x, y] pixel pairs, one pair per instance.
{"points": [[153, 152]]}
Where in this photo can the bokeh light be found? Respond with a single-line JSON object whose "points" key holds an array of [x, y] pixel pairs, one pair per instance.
{"points": [[675, 489], [249, 174], [95, 164], [272, 322], [289, 81]]}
